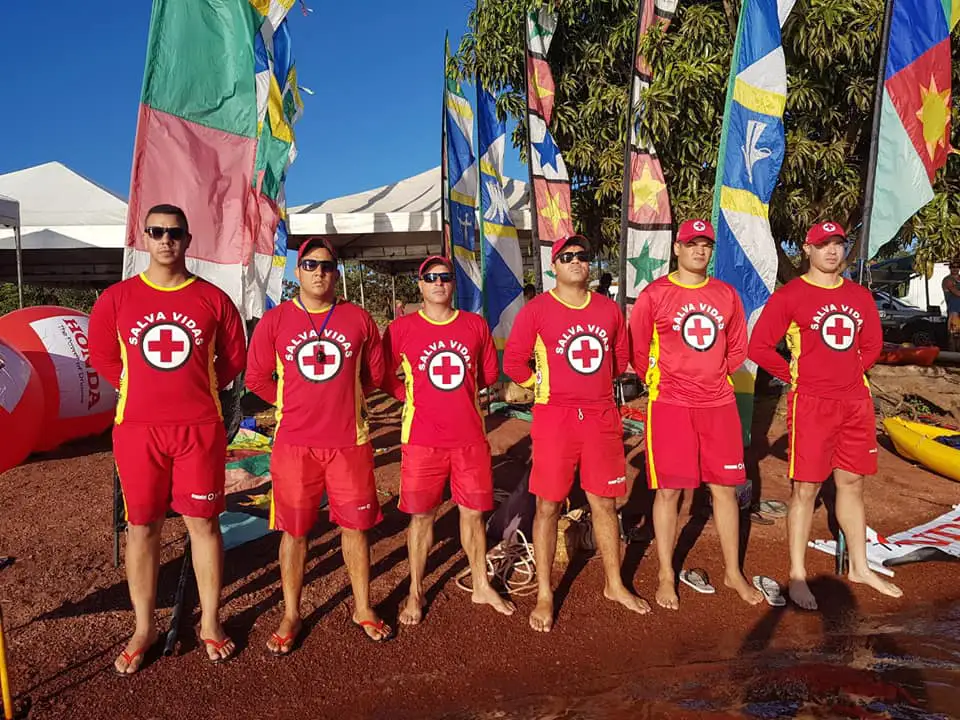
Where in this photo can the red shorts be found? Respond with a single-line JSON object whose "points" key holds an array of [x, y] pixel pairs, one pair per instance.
{"points": [[565, 437], [301, 475], [830, 434], [182, 467], [690, 445], [424, 472]]}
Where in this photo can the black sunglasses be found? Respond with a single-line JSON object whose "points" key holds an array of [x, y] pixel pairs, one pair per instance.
{"points": [[309, 264], [443, 277], [569, 256], [158, 231]]}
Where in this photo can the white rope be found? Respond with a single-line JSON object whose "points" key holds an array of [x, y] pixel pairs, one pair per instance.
{"points": [[512, 563]]}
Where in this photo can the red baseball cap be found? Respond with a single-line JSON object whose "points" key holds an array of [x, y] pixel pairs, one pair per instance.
{"points": [[560, 244], [821, 232], [690, 230], [315, 242], [434, 260]]}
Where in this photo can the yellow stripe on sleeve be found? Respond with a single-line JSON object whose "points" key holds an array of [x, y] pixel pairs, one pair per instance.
{"points": [[541, 395], [409, 408], [124, 383]]}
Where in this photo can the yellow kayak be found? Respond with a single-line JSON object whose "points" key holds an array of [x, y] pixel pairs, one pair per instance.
{"points": [[915, 441]]}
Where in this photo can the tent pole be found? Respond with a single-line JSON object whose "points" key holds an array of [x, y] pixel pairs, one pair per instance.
{"points": [[346, 296], [393, 293], [362, 302], [16, 239]]}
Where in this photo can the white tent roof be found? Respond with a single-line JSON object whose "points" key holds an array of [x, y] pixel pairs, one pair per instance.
{"points": [[9, 212]]}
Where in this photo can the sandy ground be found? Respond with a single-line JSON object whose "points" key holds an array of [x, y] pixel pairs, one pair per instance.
{"points": [[66, 614]]}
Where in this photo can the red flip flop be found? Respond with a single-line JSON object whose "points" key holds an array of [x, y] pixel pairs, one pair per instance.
{"points": [[378, 625], [281, 641], [218, 645], [129, 658]]}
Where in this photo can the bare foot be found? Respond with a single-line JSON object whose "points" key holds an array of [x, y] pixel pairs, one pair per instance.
{"points": [[488, 596], [747, 592], [282, 640], [800, 594], [541, 619], [627, 599], [217, 643], [667, 595], [375, 628], [869, 577], [412, 612], [130, 660]]}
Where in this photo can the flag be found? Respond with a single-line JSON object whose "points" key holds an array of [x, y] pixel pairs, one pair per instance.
{"points": [[502, 261], [647, 227], [752, 144], [461, 192], [548, 174], [214, 136], [914, 136]]}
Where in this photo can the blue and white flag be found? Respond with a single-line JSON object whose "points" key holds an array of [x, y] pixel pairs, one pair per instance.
{"points": [[752, 145], [502, 261]]}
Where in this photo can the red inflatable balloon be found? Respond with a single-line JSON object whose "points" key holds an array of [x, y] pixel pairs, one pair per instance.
{"points": [[77, 401], [21, 407]]}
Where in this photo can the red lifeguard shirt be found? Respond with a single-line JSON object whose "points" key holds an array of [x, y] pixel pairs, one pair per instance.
{"points": [[169, 351], [444, 366], [690, 339], [320, 380], [579, 351], [833, 334]]}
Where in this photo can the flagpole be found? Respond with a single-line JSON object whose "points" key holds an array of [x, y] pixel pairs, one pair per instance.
{"points": [[444, 250], [531, 190], [627, 170], [874, 140]]}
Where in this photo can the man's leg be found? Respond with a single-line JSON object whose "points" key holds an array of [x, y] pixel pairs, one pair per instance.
{"points": [[356, 556], [419, 542], [850, 515], [473, 537], [293, 562], [799, 522], [143, 563], [545, 523], [206, 542], [665, 511], [726, 514], [606, 531]]}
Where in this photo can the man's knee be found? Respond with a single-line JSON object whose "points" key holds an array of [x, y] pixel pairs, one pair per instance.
{"points": [[470, 515], [805, 492], [598, 504], [202, 527], [668, 496], [846, 479], [422, 519], [146, 532], [548, 510]]}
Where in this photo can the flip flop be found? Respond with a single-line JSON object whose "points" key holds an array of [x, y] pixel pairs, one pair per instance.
{"points": [[378, 625], [758, 519], [772, 508], [130, 657], [217, 645], [697, 579], [770, 590], [283, 641]]}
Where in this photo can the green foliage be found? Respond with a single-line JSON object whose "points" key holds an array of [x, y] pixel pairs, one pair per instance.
{"points": [[34, 295], [831, 49]]}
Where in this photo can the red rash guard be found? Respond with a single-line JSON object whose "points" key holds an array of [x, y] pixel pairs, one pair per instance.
{"points": [[690, 339], [579, 350], [168, 350], [320, 385], [833, 334], [444, 365]]}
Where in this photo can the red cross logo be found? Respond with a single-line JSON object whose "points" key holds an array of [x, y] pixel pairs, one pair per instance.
{"points": [[838, 331], [165, 346], [699, 331], [446, 370], [585, 354], [319, 360]]}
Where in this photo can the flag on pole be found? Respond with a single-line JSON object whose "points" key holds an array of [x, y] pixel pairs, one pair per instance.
{"points": [[752, 144], [914, 137], [646, 234], [462, 193], [502, 261], [549, 180], [214, 136]]}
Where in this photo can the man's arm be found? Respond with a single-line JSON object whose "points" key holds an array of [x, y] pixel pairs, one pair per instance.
{"points": [[262, 360], [870, 339], [950, 285], [770, 328], [641, 333], [736, 336], [231, 348], [519, 348], [489, 371], [104, 340], [621, 347], [372, 369], [391, 359]]}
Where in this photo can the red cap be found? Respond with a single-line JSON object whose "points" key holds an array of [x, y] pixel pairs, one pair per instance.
{"points": [[690, 230], [560, 244], [821, 232], [314, 242], [434, 260]]}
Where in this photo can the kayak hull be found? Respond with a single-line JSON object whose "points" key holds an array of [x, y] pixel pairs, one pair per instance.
{"points": [[916, 441]]}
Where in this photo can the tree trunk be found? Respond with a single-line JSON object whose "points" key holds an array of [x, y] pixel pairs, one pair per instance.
{"points": [[731, 10]]}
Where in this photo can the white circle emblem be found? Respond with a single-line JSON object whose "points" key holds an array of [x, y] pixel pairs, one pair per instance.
{"points": [[166, 346], [446, 370], [319, 360], [585, 354], [699, 331], [838, 331]]}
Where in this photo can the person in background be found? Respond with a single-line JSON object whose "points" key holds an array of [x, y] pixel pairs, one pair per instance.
{"points": [[951, 293], [603, 288]]}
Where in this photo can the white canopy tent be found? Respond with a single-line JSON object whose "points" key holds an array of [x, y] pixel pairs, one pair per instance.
{"points": [[62, 211]]}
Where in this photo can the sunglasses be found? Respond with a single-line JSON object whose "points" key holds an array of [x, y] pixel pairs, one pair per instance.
{"points": [[443, 277], [569, 256], [158, 231], [310, 265]]}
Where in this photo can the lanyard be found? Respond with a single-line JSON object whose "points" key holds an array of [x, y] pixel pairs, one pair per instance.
{"points": [[326, 319]]}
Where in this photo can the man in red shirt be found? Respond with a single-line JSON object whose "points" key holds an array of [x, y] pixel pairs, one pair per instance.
{"points": [[579, 342], [169, 341], [446, 357], [833, 332], [689, 331], [326, 354]]}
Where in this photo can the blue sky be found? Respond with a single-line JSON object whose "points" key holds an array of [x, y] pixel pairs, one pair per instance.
{"points": [[375, 67]]}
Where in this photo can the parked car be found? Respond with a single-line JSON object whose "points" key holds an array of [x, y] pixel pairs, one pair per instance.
{"points": [[904, 323]]}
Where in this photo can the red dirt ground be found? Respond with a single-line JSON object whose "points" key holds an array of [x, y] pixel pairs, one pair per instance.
{"points": [[66, 614]]}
